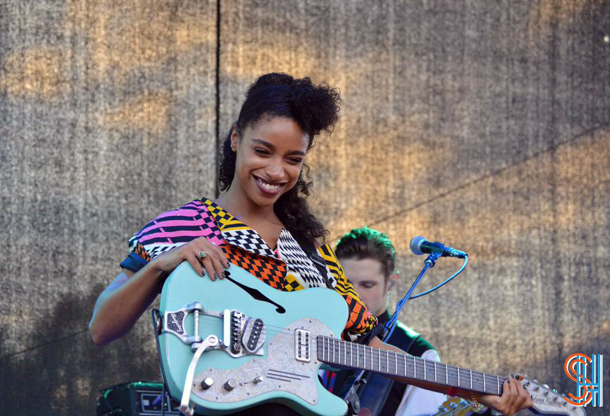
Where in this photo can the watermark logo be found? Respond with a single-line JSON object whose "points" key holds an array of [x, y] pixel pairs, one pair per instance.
{"points": [[587, 373]]}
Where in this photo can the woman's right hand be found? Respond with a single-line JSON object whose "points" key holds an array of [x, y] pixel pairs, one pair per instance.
{"points": [[214, 262]]}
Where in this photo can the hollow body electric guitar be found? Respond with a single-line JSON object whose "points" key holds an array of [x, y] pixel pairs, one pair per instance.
{"points": [[229, 344]]}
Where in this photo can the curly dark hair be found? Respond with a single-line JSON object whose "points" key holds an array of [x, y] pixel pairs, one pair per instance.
{"points": [[314, 109], [367, 243]]}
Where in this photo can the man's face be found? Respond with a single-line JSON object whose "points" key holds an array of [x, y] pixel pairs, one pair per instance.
{"points": [[371, 285]]}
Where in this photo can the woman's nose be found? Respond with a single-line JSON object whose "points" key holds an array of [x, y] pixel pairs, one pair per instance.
{"points": [[275, 171]]}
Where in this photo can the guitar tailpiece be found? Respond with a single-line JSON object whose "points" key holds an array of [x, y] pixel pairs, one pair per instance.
{"points": [[174, 323]]}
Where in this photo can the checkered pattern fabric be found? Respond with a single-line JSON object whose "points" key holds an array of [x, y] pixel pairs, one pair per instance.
{"points": [[292, 253], [224, 219], [157, 249], [249, 240], [269, 271]]}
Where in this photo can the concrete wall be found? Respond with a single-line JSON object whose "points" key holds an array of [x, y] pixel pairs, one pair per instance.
{"points": [[485, 125]]}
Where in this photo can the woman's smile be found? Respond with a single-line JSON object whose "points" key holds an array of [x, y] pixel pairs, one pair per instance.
{"points": [[268, 188]]}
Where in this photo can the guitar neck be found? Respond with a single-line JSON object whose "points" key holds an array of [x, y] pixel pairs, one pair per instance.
{"points": [[347, 354]]}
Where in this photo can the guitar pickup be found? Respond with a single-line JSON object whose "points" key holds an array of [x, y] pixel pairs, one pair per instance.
{"points": [[302, 345], [254, 335]]}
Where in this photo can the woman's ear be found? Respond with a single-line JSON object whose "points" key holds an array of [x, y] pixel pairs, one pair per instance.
{"points": [[234, 139]]}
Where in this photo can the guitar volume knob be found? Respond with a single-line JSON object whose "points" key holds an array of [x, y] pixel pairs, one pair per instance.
{"points": [[207, 382], [230, 384]]}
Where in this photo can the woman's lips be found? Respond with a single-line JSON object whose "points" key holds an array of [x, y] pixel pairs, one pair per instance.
{"points": [[268, 188]]}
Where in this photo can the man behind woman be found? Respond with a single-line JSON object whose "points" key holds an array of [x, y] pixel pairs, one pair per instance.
{"points": [[368, 259]]}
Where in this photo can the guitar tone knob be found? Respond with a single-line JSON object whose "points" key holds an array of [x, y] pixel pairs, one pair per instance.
{"points": [[230, 384], [257, 379], [207, 383]]}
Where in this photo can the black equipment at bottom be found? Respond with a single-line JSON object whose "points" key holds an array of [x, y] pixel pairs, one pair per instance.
{"points": [[136, 398]]}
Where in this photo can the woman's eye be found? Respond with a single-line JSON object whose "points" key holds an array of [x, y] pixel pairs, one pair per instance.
{"points": [[261, 151], [295, 161]]}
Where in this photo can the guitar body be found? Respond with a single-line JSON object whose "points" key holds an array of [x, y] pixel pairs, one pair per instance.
{"points": [[226, 381]]}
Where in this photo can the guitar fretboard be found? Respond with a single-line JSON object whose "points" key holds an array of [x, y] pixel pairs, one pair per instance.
{"points": [[347, 354]]}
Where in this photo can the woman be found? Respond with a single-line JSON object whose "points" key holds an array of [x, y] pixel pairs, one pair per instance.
{"points": [[260, 221]]}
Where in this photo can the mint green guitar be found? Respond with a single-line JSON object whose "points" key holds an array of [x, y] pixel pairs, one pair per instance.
{"points": [[230, 344]]}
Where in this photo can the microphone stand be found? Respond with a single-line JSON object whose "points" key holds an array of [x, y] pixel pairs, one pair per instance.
{"points": [[350, 395], [428, 264]]}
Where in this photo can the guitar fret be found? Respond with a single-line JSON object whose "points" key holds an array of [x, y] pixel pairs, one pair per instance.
{"points": [[424, 369], [338, 351], [364, 357], [435, 371], [447, 375], [324, 349], [396, 362], [484, 389], [470, 379], [414, 368], [351, 356], [498, 378], [387, 358], [458, 371]]}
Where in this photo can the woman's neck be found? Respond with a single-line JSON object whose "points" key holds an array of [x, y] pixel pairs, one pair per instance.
{"points": [[243, 208]]}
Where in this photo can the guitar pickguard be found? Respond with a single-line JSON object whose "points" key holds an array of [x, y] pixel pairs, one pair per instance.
{"points": [[278, 372]]}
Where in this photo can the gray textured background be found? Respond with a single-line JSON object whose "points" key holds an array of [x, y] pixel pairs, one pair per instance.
{"points": [[485, 125]]}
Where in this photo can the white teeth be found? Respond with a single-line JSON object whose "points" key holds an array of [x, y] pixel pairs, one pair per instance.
{"points": [[268, 186]]}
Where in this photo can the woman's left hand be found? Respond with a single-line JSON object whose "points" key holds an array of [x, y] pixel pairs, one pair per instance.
{"points": [[514, 398]]}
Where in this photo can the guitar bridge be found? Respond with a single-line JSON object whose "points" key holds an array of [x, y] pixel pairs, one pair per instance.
{"points": [[242, 335], [302, 345]]}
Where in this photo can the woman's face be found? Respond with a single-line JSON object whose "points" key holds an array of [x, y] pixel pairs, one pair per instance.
{"points": [[269, 158]]}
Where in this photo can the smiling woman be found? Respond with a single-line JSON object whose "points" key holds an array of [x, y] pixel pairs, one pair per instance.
{"points": [[260, 222]]}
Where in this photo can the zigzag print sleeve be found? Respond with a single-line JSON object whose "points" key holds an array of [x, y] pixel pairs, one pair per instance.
{"points": [[360, 321], [171, 229]]}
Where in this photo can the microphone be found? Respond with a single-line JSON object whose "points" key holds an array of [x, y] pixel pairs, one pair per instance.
{"points": [[419, 245]]}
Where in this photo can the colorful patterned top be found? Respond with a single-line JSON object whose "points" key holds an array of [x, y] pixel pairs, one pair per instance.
{"points": [[286, 268]]}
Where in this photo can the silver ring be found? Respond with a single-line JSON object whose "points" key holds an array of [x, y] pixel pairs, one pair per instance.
{"points": [[203, 255]]}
